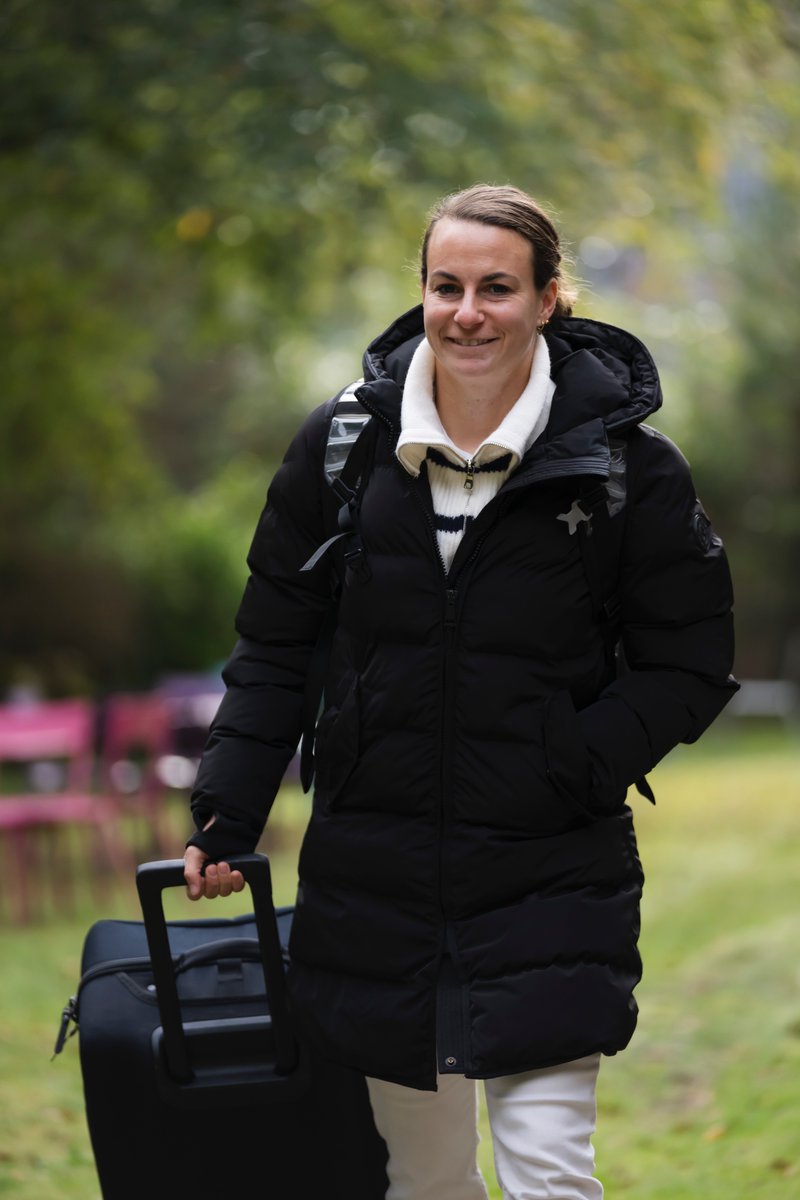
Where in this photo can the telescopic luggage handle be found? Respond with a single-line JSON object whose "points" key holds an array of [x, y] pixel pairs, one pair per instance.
{"points": [[151, 880]]}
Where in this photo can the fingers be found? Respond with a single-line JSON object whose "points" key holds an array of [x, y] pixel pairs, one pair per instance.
{"points": [[218, 879], [193, 861]]}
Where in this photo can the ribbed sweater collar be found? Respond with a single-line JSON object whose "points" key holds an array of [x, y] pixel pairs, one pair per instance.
{"points": [[421, 425]]}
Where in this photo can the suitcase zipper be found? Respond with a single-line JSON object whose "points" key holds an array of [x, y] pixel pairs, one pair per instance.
{"points": [[69, 1014], [70, 1011]]}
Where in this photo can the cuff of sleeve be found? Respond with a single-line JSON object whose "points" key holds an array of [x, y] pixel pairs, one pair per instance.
{"points": [[225, 837], [618, 745], [631, 727]]}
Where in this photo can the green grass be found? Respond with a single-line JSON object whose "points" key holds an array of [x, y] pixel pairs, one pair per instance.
{"points": [[706, 1101]]}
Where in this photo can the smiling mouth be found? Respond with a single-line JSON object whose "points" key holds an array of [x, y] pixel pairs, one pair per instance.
{"points": [[471, 341]]}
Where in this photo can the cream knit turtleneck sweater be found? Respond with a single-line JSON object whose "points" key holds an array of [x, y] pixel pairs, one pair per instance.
{"points": [[462, 484]]}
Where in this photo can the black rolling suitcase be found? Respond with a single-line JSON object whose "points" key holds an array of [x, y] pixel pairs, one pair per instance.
{"points": [[192, 1077]]}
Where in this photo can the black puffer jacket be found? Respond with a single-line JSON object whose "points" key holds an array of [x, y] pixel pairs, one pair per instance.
{"points": [[469, 882]]}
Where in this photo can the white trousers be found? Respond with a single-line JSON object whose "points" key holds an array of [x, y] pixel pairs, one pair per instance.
{"points": [[541, 1121]]}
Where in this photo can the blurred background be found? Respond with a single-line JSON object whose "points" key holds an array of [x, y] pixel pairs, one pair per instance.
{"points": [[207, 209]]}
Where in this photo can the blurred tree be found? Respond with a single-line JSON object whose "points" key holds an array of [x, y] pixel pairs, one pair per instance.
{"points": [[747, 427], [203, 211]]}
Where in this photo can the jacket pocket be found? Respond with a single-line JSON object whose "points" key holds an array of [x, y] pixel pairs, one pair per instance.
{"points": [[336, 746], [567, 759]]}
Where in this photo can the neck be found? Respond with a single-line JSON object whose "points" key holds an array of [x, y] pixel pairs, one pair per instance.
{"points": [[470, 412]]}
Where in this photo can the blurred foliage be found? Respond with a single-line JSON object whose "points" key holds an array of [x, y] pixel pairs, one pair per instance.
{"points": [[206, 210]]}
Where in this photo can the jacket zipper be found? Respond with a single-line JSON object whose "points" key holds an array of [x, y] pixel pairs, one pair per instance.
{"points": [[448, 696], [448, 720], [449, 623]]}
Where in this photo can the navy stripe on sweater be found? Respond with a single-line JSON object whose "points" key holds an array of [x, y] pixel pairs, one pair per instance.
{"points": [[451, 524]]}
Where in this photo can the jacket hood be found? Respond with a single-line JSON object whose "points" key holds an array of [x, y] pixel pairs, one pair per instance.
{"points": [[600, 372]]}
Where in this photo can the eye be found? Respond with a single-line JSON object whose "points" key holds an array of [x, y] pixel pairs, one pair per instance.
{"points": [[499, 289], [445, 289]]}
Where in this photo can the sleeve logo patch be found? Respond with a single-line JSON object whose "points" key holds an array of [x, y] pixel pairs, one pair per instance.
{"points": [[703, 532]]}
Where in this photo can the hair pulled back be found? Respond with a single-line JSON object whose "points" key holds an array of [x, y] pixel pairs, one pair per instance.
{"points": [[510, 208]]}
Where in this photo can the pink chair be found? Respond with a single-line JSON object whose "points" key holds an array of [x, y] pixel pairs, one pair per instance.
{"points": [[136, 734], [48, 748]]}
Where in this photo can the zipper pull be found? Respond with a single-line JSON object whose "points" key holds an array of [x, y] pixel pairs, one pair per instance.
{"points": [[468, 482], [68, 1014]]}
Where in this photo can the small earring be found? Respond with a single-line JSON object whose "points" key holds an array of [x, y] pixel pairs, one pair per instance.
{"points": [[539, 328]]}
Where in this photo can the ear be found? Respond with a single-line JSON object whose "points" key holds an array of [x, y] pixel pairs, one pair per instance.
{"points": [[548, 298]]}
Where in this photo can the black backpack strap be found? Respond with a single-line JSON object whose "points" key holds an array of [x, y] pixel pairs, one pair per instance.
{"points": [[347, 419], [600, 506], [346, 473], [595, 516], [600, 565], [349, 455], [312, 694]]}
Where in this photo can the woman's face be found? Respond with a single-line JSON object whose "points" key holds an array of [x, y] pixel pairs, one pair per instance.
{"points": [[480, 303]]}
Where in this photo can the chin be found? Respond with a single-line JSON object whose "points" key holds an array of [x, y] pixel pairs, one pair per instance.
{"points": [[459, 365]]}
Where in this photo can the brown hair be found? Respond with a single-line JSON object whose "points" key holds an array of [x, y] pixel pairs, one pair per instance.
{"points": [[510, 208]]}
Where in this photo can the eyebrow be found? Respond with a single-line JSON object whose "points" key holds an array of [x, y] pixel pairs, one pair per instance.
{"points": [[485, 279]]}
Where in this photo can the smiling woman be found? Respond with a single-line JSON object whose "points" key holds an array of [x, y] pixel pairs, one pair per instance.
{"points": [[469, 890], [492, 277], [482, 313]]}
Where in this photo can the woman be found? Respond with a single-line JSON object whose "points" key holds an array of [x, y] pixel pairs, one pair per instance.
{"points": [[469, 882]]}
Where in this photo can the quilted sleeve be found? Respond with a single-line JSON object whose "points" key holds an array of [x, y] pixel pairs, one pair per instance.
{"points": [[259, 722], [677, 627]]}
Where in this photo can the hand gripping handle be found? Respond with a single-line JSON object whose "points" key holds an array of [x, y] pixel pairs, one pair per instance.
{"points": [[151, 880]]}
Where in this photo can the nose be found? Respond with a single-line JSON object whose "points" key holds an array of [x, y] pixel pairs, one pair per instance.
{"points": [[469, 311]]}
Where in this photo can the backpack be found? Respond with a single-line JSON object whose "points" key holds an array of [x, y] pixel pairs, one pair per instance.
{"points": [[348, 457]]}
